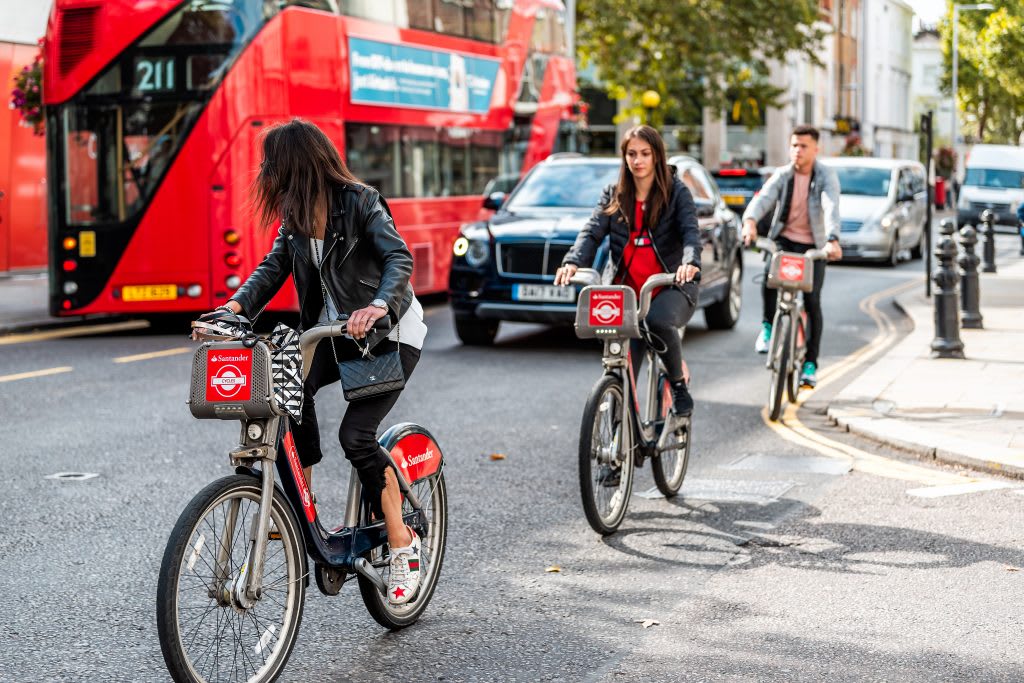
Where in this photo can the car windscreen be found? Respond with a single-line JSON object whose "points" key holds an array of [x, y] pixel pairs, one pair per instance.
{"points": [[870, 182], [563, 186], [750, 182], [994, 177]]}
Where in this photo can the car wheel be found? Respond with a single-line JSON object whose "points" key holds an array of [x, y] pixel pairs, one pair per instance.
{"points": [[723, 314], [917, 251], [476, 332], [894, 251]]}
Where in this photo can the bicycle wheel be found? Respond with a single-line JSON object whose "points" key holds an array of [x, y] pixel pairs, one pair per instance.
{"points": [[606, 470], [793, 378], [206, 632], [669, 467], [781, 346], [434, 497]]}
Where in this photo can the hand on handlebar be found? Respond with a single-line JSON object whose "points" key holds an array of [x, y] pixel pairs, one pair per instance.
{"points": [[833, 252], [687, 273], [564, 274], [749, 232], [361, 322]]}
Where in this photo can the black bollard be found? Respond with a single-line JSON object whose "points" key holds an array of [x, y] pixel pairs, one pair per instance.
{"points": [[946, 343], [989, 252], [970, 286]]}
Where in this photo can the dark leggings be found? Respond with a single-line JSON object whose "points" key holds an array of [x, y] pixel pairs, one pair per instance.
{"points": [[358, 430], [670, 310], [812, 299]]}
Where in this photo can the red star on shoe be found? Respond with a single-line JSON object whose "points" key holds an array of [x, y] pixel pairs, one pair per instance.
{"points": [[399, 592]]}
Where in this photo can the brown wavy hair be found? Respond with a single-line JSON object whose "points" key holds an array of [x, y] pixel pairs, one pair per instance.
{"points": [[661, 190], [300, 168]]}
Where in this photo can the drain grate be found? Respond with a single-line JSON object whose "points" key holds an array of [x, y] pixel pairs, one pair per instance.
{"points": [[728, 490], [785, 463], [72, 476]]}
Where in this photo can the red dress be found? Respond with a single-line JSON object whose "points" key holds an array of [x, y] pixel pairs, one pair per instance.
{"points": [[640, 261]]}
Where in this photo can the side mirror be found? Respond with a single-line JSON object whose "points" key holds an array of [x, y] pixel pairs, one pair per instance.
{"points": [[705, 209], [494, 200]]}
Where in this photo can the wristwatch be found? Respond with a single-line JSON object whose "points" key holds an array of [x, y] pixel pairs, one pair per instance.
{"points": [[379, 303]]}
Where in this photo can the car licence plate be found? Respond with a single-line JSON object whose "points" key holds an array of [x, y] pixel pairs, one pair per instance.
{"points": [[549, 293], [149, 293], [733, 199]]}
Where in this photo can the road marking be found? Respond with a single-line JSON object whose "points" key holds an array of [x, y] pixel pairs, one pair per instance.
{"points": [[959, 489], [73, 332], [793, 430], [35, 373], [154, 354]]}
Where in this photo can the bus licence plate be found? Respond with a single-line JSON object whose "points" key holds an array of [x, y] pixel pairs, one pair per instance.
{"points": [[549, 293], [733, 199], [149, 293]]}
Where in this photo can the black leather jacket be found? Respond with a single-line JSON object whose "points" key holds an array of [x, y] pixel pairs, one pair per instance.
{"points": [[364, 259], [676, 237]]}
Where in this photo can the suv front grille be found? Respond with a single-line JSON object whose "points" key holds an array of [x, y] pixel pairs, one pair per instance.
{"points": [[1001, 209], [531, 259]]}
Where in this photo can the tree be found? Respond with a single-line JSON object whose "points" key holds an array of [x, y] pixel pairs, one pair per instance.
{"points": [[990, 74], [695, 52]]}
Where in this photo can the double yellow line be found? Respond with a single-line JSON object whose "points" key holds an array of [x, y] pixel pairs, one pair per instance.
{"points": [[790, 428]]}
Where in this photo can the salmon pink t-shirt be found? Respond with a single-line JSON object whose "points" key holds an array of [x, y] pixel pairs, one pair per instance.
{"points": [[798, 225], [638, 257]]}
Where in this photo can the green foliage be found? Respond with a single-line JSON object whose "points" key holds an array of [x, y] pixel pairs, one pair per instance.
{"points": [[990, 74], [695, 52]]}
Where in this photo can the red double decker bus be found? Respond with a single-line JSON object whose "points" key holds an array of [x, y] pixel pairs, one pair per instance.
{"points": [[154, 111]]}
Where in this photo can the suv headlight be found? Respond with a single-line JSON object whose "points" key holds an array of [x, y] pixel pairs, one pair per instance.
{"points": [[477, 252]]}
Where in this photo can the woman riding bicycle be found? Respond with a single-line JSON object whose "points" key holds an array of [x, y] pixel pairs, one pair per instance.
{"points": [[652, 221], [337, 238]]}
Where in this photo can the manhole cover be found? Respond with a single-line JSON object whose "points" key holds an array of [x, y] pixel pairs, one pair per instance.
{"points": [[785, 463], [72, 476]]}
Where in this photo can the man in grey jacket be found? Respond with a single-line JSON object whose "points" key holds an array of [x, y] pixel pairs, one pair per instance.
{"points": [[805, 198]]}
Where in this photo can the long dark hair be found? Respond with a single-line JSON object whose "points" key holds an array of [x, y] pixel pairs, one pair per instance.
{"points": [[625, 192], [300, 168]]}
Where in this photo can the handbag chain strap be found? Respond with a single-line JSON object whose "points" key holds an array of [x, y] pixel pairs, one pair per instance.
{"points": [[323, 289]]}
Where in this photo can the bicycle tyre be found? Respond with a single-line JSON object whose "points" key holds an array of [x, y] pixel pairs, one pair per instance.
{"points": [[669, 483], [607, 393], [793, 378], [397, 617], [169, 607], [780, 367]]}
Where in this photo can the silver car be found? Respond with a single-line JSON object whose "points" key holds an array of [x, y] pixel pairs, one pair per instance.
{"points": [[882, 206]]}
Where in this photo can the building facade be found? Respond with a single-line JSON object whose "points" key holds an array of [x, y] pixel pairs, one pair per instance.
{"points": [[925, 93]]}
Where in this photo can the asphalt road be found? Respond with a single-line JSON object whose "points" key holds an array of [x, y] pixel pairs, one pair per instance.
{"points": [[775, 564]]}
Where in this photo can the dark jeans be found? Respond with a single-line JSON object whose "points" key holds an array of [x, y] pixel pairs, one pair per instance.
{"points": [[358, 430], [812, 299], [670, 310]]}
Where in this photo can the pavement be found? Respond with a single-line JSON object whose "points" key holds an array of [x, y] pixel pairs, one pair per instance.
{"points": [[967, 412]]}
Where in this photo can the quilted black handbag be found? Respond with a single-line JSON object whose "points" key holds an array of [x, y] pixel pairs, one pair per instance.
{"points": [[371, 375]]}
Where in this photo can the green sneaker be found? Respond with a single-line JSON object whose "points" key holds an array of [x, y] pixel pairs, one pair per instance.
{"points": [[809, 375], [764, 338]]}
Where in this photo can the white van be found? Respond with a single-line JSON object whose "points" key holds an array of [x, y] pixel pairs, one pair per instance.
{"points": [[994, 180], [883, 207]]}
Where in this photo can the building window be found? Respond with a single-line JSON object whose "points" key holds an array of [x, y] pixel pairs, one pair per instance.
{"points": [[808, 108]]}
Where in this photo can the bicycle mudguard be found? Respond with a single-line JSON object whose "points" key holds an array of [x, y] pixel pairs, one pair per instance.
{"points": [[414, 451]]}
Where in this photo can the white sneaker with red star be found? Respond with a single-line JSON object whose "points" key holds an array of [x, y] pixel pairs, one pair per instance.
{"points": [[404, 578]]}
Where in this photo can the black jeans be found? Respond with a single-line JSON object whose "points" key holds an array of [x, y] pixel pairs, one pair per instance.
{"points": [[670, 310], [358, 430], [812, 299]]}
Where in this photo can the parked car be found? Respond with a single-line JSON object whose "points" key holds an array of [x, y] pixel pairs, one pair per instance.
{"points": [[883, 208], [994, 180], [503, 268]]}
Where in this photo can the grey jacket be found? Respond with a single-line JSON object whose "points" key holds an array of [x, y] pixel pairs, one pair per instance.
{"points": [[822, 202]]}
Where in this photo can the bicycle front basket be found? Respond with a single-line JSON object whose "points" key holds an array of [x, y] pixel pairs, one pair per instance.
{"points": [[606, 311], [791, 271], [232, 382]]}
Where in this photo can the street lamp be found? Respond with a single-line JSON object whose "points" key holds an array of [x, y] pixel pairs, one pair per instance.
{"points": [[956, 63], [650, 100]]}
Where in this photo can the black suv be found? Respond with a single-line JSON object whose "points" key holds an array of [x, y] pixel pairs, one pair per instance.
{"points": [[503, 268]]}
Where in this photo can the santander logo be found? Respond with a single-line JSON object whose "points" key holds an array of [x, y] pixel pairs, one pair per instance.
{"points": [[417, 459], [228, 380], [791, 268], [606, 308]]}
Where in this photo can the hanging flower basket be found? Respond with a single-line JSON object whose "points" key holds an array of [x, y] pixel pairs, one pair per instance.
{"points": [[27, 96]]}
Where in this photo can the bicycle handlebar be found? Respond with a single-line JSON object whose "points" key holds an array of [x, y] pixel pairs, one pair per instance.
{"points": [[771, 247], [653, 282]]}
